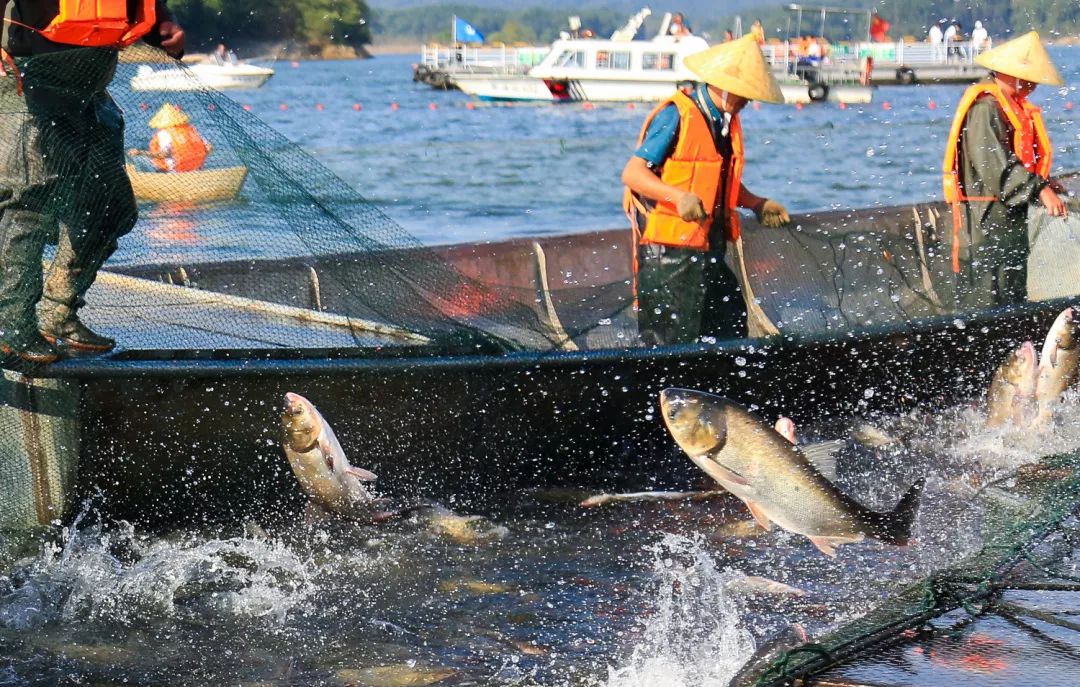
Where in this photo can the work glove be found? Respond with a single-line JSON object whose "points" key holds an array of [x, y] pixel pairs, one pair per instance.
{"points": [[772, 214], [690, 208]]}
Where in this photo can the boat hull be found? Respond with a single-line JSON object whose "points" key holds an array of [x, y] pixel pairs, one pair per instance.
{"points": [[201, 186], [200, 76]]}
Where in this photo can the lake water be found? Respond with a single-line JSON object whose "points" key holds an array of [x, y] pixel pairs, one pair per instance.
{"points": [[453, 174]]}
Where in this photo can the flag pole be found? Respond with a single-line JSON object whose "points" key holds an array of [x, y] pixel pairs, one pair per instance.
{"points": [[453, 30]]}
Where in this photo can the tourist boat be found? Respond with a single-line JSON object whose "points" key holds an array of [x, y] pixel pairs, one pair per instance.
{"points": [[200, 186], [621, 69], [220, 77]]}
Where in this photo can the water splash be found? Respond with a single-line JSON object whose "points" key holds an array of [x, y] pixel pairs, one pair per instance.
{"points": [[116, 576], [695, 638]]}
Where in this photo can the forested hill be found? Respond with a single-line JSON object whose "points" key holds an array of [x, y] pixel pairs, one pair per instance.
{"points": [[313, 26], [300, 25]]}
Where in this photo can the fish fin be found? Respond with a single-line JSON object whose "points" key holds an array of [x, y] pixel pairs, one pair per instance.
{"points": [[894, 527], [361, 474], [722, 474], [328, 453], [785, 426], [759, 515], [823, 455], [826, 545]]}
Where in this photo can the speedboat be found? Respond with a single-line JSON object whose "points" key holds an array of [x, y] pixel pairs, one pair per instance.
{"points": [[195, 77]]}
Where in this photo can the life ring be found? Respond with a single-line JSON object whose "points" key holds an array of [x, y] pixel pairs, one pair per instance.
{"points": [[905, 75], [818, 91]]}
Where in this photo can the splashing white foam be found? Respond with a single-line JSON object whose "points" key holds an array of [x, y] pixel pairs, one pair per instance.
{"points": [[86, 579], [695, 637]]}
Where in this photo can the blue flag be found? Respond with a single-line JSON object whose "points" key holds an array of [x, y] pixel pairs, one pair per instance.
{"points": [[465, 33]]}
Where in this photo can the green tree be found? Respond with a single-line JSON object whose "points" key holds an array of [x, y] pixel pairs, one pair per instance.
{"points": [[513, 31]]}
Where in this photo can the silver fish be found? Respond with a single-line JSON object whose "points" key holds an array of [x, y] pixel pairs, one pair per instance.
{"points": [[1012, 387], [319, 463], [1057, 364], [773, 477]]}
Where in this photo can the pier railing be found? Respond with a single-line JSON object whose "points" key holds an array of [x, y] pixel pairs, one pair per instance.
{"points": [[782, 55], [482, 59]]}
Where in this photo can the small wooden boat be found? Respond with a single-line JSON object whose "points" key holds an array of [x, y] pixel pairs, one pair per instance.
{"points": [[201, 186]]}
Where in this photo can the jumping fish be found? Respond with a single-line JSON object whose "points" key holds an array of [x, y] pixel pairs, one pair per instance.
{"points": [[773, 477], [1012, 386], [319, 463], [1057, 364]]}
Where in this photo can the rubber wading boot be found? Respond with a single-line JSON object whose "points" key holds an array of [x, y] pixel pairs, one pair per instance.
{"points": [[35, 351], [62, 327]]}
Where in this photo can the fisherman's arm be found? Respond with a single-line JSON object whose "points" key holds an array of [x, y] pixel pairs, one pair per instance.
{"points": [[167, 34], [768, 212], [639, 175], [986, 146]]}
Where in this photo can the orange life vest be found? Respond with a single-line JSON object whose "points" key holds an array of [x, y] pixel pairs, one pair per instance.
{"points": [[1031, 144], [694, 165], [100, 23], [184, 151]]}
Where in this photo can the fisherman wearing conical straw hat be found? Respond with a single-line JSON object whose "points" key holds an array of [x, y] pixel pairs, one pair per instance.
{"points": [[176, 146], [683, 188], [997, 163]]}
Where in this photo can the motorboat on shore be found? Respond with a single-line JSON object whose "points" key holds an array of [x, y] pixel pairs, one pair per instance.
{"points": [[220, 77]]}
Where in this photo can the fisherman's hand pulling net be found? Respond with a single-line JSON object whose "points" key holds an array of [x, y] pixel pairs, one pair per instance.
{"points": [[771, 214], [1053, 202], [691, 208]]}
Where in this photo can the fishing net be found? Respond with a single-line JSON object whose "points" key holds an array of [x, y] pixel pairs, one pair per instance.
{"points": [[924, 632], [264, 248]]}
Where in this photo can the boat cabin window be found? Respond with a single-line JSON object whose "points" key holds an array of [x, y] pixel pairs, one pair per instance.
{"points": [[571, 58], [658, 61], [619, 59]]}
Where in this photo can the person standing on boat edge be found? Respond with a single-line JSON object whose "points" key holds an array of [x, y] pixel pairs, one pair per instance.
{"points": [[997, 163], [62, 176], [683, 185]]}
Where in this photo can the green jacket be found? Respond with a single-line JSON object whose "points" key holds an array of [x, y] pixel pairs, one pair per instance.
{"points": [[989, 167], [22, 42]]}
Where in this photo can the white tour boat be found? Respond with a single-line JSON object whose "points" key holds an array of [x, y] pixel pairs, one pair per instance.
{"points": [[621, 69], [220, 77]]}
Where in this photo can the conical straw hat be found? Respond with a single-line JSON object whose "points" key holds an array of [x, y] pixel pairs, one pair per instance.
{"points": [[1023, 57], [168, 115], [737, 67]]}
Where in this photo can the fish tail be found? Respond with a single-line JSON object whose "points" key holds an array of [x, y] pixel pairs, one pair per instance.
{"points": [[894, 527]]}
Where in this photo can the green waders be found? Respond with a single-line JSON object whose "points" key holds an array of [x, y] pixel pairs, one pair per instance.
{"points": [[62, 180], [685, 295]]}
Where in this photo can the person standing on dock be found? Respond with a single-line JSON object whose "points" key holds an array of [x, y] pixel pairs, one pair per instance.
{"points": [[683, 188], [62, 174], [997, 163]]}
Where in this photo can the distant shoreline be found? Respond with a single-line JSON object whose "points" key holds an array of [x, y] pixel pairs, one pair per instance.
{"points": [[394, 47]]}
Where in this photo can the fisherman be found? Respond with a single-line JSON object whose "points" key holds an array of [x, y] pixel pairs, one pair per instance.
{"points": [[62, 162], [997, 163], [176, 145], [979, 37], [684, 184]]}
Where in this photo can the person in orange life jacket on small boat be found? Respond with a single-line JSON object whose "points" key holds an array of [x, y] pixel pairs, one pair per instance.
{"points": [[683, 185], [176, 146], [997, 163]]}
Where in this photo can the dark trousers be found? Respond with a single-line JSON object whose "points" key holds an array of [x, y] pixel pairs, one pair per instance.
{"points": [[684, 295], [62, 180]]}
